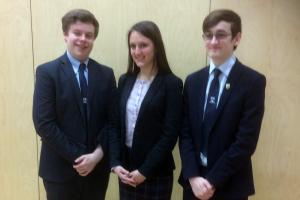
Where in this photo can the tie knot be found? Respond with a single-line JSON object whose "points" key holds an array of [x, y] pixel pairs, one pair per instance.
{"points": [[82, 67], [217, 72]]}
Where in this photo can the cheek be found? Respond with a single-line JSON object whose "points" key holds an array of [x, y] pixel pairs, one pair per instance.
{"points": [[131, 52], [71, 40], [150, 52], [207, 45], [91, 44]]}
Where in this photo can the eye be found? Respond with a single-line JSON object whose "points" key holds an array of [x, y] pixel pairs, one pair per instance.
{"points": [[208, 36], [89, 36], [76, 33], [221, 35], [143, 45], [132, 46]]}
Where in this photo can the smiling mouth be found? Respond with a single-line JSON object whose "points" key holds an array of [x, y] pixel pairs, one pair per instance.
{"points": [[82, 48], [215, 49], [139, 59]]}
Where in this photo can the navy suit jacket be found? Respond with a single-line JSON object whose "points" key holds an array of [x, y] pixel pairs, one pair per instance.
{"points": [[58, 116], [232, 138], [157, 126]]}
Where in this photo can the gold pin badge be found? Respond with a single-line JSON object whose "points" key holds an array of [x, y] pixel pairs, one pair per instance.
{"points": [[227, 86]]}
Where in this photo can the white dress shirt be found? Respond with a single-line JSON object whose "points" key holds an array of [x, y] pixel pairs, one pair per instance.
{"points": [[133, 105]]}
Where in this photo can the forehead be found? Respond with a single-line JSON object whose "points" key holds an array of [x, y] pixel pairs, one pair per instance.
{"points": [[82, 26], [136, 36], [221, 26]]}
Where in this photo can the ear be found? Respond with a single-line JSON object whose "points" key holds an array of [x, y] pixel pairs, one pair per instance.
{"points": [[237, 39], [65, 36]]}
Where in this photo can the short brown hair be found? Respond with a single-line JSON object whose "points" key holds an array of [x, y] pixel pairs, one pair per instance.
{"points": [[214, 17], [81, 15]]}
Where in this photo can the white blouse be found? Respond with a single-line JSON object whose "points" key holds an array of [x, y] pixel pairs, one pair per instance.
{"points": [[134, 102]]}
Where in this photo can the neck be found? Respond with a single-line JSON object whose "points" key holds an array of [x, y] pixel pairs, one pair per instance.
{"points": [[147, 73], [219, 62], [75, 58]]}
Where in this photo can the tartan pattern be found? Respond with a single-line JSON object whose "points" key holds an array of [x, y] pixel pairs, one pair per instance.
{"points": [[158, 188], [188, 195]]}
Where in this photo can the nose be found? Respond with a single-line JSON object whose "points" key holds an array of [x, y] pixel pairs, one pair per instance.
{"points": [[137, 50], [83, 37], [213, 40]]}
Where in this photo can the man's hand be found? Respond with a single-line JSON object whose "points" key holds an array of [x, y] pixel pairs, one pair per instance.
{"points": [[202, 189], [136, 177], [86, 163]]}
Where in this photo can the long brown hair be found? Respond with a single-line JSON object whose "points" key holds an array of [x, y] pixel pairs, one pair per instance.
{"points": [[151, 31]]}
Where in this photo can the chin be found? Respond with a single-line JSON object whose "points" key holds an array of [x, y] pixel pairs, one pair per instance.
{"points": [[140, 65], [214, 55], [81, 57]]}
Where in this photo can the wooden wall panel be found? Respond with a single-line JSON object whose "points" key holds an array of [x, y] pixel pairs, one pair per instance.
{"points": [[18, 149], [179, 21], [270, 44]]}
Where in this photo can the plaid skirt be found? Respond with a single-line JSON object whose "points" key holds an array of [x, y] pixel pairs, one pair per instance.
{"points": [[157, 188]]}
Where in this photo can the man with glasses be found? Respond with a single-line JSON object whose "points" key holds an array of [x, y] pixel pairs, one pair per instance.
{"points": [[223, 111]]}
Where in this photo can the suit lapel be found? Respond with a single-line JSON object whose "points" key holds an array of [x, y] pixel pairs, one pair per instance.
{"points": [[92, 77], [67, 69], [201, 92], [231, 83], [154, 86], [127, 87]]}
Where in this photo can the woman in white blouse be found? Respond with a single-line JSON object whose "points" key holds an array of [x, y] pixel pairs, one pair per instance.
{"points": [[148, 118]]}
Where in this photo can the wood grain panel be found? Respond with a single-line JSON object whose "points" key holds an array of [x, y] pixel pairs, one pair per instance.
{"points": [[18, 152], [270, 43]]}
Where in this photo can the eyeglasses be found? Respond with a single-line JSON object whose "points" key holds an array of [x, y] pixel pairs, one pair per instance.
{"points": [[218, 36]]}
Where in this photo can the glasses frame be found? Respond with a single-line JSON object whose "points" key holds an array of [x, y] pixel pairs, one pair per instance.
{"points": [[208, 36]]}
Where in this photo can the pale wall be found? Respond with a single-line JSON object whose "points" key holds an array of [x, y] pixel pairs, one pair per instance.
{"points": [[31, 34]]}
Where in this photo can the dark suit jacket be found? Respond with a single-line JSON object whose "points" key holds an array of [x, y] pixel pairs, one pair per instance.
{"points": [[157, 126], [232, 138], [58, 116]]}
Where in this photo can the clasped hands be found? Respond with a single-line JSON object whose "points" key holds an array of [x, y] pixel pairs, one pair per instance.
{"points": [[202, 189], [87, 162], [133, 178]]}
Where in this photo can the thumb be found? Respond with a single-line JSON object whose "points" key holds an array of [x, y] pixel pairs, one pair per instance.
{"points": [[79, 160]]}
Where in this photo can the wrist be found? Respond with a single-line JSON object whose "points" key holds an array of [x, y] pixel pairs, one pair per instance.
{"points": [[98, 153], [114, 169]]}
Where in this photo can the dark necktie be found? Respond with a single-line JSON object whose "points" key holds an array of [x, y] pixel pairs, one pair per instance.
{"points": [[210, 110], [83, 90]]}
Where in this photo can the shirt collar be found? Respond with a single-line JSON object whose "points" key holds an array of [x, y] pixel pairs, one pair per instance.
{"points": [[75, 63], [225, 67]]}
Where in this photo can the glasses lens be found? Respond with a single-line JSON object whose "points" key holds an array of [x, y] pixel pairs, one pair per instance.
{"points": [[208, 36], [219, 36]]}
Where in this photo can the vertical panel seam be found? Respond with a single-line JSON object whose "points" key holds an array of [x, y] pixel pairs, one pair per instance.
{"points": [[33, 71], [209, 10]]}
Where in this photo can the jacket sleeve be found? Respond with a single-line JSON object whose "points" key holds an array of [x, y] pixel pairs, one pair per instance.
{"points": [[115, 133], [190, 166], [103, 136], [171, 127], [45, 119]]}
